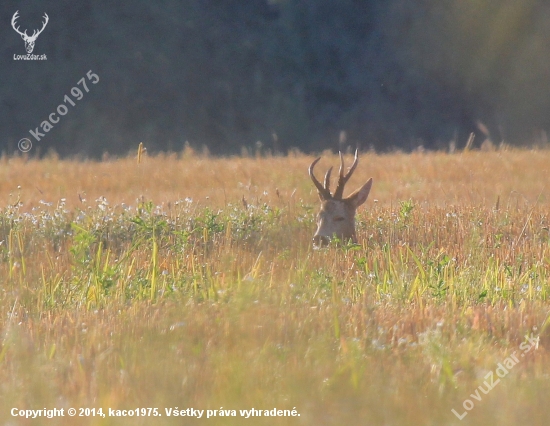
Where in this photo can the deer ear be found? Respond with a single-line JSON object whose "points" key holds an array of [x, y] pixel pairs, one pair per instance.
{"points": [[360, 196]]}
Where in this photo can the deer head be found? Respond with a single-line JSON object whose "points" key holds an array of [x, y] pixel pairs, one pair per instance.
{"points": [[29, 40], [337, 215]]}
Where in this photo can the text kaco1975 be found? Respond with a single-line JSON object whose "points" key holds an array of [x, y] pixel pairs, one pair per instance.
{"points": [[25, 144]]}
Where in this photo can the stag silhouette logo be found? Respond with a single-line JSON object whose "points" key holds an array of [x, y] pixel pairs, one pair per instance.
{"points": [[29, 40]]}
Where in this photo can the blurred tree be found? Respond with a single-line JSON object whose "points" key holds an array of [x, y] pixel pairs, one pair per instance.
{"points": [[226, 74]]}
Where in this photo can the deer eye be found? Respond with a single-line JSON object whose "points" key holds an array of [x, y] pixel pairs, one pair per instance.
{"points": [[339, 219]]}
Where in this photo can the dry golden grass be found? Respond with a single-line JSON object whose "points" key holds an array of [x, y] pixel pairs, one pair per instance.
{"points": [[155, 285], [469, 179]]}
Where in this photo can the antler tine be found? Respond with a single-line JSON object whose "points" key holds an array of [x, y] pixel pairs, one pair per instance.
{"points": [[46, 20], [14, 18], [323, 192], [13, 23], [327, 180], [36, 33], [342, 179]]}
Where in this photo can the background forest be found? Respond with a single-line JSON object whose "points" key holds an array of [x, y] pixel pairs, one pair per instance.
{"points": [[288, 73]]}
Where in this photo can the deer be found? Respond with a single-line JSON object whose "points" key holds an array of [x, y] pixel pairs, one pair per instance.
{"points": [[29, 40], [336, 219]]}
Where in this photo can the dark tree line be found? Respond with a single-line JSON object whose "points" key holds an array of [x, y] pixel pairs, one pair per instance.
{"points": [[289, 73]]}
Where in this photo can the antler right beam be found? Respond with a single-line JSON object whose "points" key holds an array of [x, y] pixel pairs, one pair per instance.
{"points": [[343, 179]]}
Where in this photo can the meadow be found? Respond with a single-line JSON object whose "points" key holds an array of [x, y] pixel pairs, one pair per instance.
{"points": [[187, 281]]}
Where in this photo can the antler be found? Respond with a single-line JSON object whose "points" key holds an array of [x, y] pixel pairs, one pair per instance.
{"points": [[35, 34], [342, 179], [327, 179], [324, 192], [15, 16]]}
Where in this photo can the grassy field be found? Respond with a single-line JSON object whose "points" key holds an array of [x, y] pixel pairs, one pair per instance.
{"points": [[191, 282]]}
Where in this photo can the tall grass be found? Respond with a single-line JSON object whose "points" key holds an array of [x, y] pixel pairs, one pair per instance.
{"points": [[188, 281]]}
